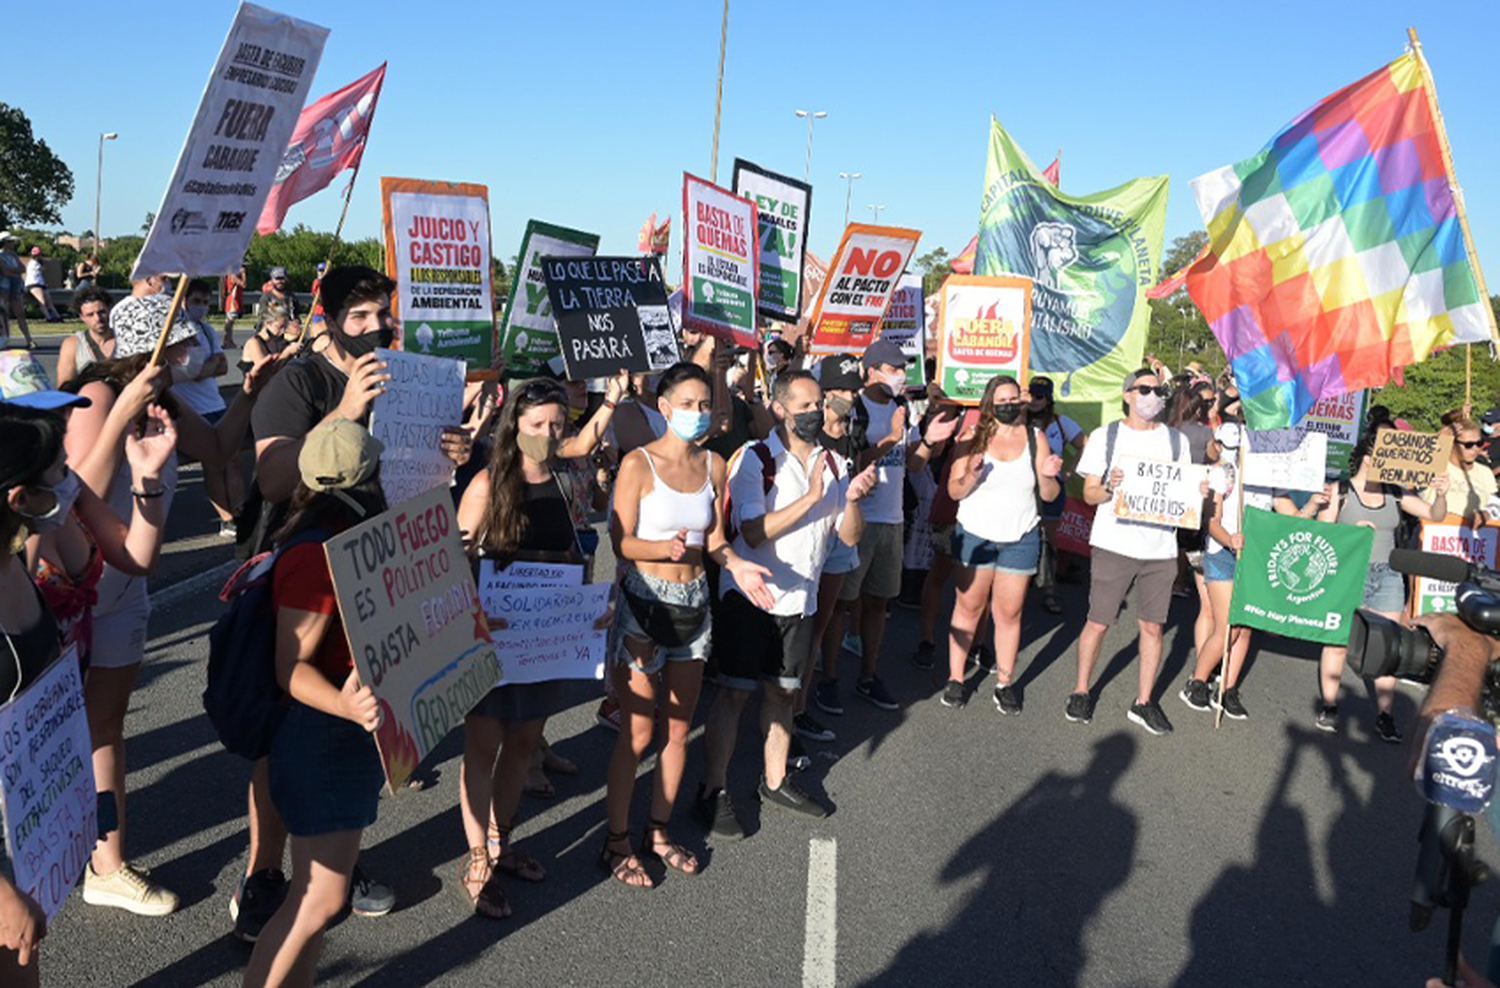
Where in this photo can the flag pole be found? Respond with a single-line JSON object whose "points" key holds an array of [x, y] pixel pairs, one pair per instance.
{"points": [[158, 355], [713, 169], [337, 231], [1457, 190], [1239, 480]]}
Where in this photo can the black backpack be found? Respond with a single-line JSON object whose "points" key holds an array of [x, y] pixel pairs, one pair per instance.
{"points": [[242, 697]]}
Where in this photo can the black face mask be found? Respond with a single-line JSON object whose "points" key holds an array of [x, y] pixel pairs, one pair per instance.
{"points": [[807, 425], [358, 346], [1007, 414]]}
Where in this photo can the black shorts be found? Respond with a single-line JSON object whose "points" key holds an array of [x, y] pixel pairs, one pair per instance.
{"points": [[751, 645]]}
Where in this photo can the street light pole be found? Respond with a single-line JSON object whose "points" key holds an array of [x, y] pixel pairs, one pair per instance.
{"points": [[875, 211], [713, 168], [99, 186], [807, 164], [850, 176]]}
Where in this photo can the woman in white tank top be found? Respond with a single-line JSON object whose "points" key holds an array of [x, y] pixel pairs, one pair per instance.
{"points": [[664, 524], [996, 478]]}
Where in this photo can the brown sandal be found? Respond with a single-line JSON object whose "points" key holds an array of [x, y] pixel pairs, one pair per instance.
{"points": [[481, 888], [674, 855], [624, 866], [508, 861]]}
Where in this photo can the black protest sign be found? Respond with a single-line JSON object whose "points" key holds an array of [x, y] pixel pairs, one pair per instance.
{"points": [[611, 313]]}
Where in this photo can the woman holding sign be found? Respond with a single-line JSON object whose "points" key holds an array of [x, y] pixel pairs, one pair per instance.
{"points": [[1363, 500], [1471, 484], [515, 510], [1000, 479]]}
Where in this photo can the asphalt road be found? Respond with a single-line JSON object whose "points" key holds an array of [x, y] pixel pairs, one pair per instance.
{"points": [[965, 849]]}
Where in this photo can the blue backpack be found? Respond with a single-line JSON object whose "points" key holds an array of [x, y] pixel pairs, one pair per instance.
{"points": [[242, 697]]}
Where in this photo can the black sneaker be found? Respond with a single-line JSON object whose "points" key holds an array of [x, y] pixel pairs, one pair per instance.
{"points": [[1008, 700], [1080, 708], [826, 696], [1151, 717], [368, 897], [874, 690], [954, 694], [922, 657], [1385, 729], [1195, 694], [256, 900], [789, 797], [1328, 718], [715, 810], [811, 730], [1229, 702], [797, 758]]}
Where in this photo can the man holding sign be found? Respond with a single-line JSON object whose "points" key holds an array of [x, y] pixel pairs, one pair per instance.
{"points": [[1127, 552]]}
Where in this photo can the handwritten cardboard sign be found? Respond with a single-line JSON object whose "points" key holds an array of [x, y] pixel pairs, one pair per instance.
{"points": [[1160, 493], [522, 574], [418, 635], [1286, 459], [1410, 459], [47, 784], [424, 395], [551, 633], [1476, 545]]}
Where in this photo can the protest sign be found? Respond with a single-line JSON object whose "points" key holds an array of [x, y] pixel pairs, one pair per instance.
{"points": [[611, 313], [412, 616], [424, 396], [527, 331], [983, 331], [47, 784], [1341, 419], [1410, 459], [1074, 527], [863, 273], [522, 574], [229, 160], [1476, 545], [783, 206], [1286, 459], [1160, 493], [437, 250], [905, 326], [814, 274], [720, 261], [551, 633], [1298, 577]]}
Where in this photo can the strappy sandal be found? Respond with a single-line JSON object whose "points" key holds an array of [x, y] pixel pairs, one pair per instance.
{"points": [[508, 861], [481, 888], [553, 762], [618, 863], [676, 857]]}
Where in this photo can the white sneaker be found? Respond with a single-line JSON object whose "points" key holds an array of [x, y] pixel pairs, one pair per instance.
{"points": [[128, 889]]}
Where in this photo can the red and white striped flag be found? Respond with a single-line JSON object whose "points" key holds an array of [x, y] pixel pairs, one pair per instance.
{"points": [[330, 137]]}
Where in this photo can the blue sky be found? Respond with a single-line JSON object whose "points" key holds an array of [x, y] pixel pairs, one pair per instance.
{"points": [[586, 113]]}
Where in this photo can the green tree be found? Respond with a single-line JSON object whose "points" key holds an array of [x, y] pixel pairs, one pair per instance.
{"points": [[34, 182], [934, 266], [1436, 385], [147, 224], [1178, 334]]}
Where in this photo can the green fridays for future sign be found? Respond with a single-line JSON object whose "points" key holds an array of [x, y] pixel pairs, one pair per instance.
{"points": [[1299, 578]]}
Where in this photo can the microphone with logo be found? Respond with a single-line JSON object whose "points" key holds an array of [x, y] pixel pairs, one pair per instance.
{"points": [[1456, 775]]}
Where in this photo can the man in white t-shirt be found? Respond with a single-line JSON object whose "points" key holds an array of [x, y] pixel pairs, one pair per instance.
{"points": [[1126, 553]]}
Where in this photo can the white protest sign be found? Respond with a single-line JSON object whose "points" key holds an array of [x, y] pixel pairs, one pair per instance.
{"points": [[1340, 417], [782, 211], [47, 784], [423, 396], [1476, 545], [551, 633], [229, 160], [1160, 493], [1286, 459], [520, 574], [905, 326], [720, 262]]}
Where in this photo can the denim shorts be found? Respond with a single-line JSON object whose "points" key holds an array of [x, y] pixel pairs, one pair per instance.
{"points": [[1019, 557], [693, 594], [841, 558], [1218, 566], [11, 287], [325, 773], [1385, 591]]}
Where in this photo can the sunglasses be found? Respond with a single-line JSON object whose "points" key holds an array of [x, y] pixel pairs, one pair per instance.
{"points": [[1159, 390], [538, 391], [1469, 443]]}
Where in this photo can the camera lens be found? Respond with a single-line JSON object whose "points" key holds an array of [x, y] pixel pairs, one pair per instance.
{"points": [[1380, 647]]}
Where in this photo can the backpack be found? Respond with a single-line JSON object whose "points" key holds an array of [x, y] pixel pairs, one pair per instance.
{"points": [[242, 697], [767, 479]]}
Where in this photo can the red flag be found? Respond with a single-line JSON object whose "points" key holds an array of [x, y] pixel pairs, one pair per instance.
{"points": [[330, 137], [964, 262], [643, 239], [661, 237], [1053, 172]]}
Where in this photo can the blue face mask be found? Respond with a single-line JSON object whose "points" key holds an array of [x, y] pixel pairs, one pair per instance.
{"points": [[689, 426]]}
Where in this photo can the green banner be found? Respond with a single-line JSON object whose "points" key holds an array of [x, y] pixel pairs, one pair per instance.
{"points": [[528, 332], [1092, 258], [1300, 578]]}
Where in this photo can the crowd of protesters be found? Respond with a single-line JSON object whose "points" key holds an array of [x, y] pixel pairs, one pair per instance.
{"points": [[775, 494]]}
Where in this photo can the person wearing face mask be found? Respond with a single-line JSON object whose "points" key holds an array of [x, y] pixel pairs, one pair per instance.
{"points": [[1000, 479], [789, 500], [1061, 432], [665, 526], [1127, 553], [894, 448]]}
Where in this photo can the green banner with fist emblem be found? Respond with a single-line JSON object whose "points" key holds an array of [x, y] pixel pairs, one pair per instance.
{"points": [[1299, 578]]}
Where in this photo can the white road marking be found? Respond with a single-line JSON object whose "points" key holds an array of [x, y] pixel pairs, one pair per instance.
{"points": [[820, 949], [211, 581]]}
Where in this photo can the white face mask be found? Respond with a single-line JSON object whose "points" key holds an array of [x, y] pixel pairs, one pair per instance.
{"points": [[64, 494], [190, 367], [1149, 406], [895, 383]]}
